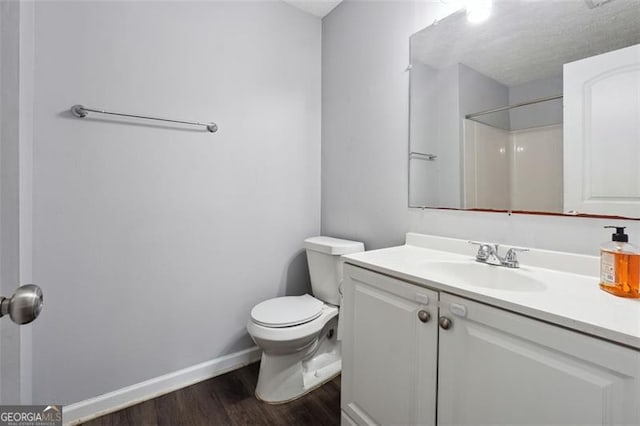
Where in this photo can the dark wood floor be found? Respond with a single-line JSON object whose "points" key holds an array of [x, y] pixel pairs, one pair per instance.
{"points": [[229, 400]]}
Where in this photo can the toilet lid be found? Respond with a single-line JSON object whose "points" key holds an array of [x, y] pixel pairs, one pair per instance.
{"points": [[287, 311]]}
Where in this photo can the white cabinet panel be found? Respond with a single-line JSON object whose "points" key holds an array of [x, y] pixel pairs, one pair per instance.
{"points": [[602, 134], [389, 354], [497, 367]]}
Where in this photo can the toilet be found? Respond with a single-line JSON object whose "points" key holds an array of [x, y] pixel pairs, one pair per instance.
{"points": [[298, 334]]}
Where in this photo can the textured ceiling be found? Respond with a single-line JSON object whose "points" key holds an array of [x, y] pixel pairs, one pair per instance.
{"points": [[525, 40], [319, 8]]}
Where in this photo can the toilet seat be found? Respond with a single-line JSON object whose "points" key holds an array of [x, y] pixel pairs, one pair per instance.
{"points": [[293, 337], [287, 311]]}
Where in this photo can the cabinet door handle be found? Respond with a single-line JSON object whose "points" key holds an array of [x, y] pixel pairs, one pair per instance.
{"points": [[424, 316], [445, 323]]}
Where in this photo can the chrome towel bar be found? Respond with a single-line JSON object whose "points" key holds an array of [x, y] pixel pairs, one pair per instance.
{"points": [[81, 111], [422, 156]]}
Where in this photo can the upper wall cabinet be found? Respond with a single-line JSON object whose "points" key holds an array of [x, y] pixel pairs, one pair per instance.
{"points": [[492, 126], [602, 133]]}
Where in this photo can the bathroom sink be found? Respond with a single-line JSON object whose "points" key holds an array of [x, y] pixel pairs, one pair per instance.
{"points": [[475, 274]]}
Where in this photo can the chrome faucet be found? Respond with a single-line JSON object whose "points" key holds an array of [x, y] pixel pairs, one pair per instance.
{"points": [[489, 253]]}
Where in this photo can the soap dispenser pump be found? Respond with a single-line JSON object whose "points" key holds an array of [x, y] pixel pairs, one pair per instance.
{"points": [[620, 265]]}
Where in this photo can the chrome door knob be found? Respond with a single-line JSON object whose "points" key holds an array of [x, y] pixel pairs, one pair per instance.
{"points": [[424, 316], [24, 306], [445, 323]]}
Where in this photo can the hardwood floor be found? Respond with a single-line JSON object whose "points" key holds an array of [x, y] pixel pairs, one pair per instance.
{"points": [[229, 400]]}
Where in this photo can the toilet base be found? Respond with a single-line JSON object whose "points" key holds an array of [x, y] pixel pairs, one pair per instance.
{"points": [[284, 378], [311, 385]]}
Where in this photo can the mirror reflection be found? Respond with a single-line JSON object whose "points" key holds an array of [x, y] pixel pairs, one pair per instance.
{"points": [[491, 127]]}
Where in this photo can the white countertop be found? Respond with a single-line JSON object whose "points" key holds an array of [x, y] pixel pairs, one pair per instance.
{"points": [[570, 298]]}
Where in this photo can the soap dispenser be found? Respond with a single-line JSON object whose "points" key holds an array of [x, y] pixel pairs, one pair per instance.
{"points": [[620, 265]]}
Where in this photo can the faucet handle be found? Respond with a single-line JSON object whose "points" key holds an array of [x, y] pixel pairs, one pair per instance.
{"points": [[513, 250], [478, 243], [484, 250], [511, 258]]}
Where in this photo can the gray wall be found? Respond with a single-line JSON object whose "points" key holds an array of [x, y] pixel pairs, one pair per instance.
{"points": [[424, 108], [481, 93], [449, 161], [365, 53], [423, 134], [542, 114], [153, 244], [365, 47]]}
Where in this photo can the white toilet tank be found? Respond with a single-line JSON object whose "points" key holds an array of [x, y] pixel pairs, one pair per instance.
{"points": [[325, 267]]}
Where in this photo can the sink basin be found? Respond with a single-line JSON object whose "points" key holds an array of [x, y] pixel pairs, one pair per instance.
{"points": [[475, 274]]}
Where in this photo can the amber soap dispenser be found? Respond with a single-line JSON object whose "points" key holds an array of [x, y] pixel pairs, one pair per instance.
{"points": [[620, 265]]}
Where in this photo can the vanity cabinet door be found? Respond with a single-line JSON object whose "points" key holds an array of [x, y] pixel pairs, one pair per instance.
{"points": [[497, 367], [389, 350]]}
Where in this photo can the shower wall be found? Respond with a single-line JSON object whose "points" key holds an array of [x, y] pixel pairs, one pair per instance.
{"points": [[487, 164], [513, 170], [536, 169]]}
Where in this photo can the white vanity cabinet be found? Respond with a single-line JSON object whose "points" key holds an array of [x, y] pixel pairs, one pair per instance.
{"points": [[493, 366], [497, 367], [389, 352]]}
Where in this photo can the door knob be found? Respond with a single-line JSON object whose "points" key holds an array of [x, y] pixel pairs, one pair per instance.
{"points": [[445, 323], [24, 306], [424, 316]]}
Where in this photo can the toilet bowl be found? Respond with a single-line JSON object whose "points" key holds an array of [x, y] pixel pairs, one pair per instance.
{"points": [[298, 334], [296, 358]]}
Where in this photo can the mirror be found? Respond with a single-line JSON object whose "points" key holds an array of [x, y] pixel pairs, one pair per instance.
{"points": [[488, 120]]}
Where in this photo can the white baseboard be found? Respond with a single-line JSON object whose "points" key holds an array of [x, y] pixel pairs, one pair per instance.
{"points": [[134, 394]]}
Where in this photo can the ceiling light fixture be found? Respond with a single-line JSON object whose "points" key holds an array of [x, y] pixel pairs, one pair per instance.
{"points": [[478, 10]]}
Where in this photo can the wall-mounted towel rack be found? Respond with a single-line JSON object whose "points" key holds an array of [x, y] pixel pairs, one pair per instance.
{"points": [[81, 111], [422, 156]]}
